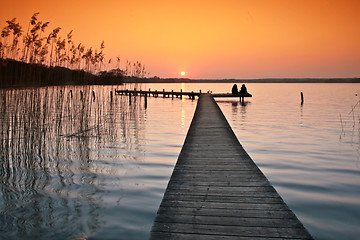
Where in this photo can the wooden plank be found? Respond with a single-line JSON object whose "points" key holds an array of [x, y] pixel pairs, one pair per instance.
{"points": [[220, 189], [191, 236], [240, 231], [218, 176], [219, 198], [221, 184], [225, 205], [216, 191], [217, 168], [252, 194], [228, 221], [244, 213]]}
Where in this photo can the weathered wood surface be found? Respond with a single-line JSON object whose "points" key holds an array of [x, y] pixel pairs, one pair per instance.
{"points": [[217, 192]]}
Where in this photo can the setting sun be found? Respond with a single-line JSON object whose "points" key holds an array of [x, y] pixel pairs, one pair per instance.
{"points": [[183, 73]]}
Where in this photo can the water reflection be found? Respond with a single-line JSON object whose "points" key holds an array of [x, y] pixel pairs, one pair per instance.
{"points": [[183, 117], [49, 178]]}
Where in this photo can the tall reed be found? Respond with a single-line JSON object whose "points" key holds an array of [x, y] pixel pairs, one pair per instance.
{"points": [[48, 173], [51, 49]]}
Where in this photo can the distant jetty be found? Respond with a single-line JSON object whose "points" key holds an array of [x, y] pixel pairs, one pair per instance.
{"points": [[180, 94]]}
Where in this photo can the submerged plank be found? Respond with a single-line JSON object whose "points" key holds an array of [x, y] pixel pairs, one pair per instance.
{"points": [[216, 191]]}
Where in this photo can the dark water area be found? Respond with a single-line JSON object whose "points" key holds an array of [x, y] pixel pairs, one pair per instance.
{"points": [[76, 163]]}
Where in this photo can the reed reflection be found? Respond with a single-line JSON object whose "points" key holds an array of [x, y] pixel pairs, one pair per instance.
{"points": [[49, 179]]}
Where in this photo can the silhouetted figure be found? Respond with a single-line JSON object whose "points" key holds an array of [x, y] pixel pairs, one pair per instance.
{"points": [[234, 89], [243, 89]]}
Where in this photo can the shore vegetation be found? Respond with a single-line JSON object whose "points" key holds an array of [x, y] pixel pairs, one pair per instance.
{"points": [[38, 55]]}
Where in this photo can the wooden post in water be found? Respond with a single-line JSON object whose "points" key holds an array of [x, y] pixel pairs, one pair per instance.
{"points": [[71, 93], [163, 93], [93, 94], [129, 99], [180, 93], [81, 95], [145, 101], [111, 96], [172, 94], [302, 98]]}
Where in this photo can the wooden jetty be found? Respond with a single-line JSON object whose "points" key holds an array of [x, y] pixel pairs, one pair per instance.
{"points": [[180, 94], [216, 191]]}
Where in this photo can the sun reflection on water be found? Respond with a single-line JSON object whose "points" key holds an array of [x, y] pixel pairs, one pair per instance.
{"points": [[183, 118]]}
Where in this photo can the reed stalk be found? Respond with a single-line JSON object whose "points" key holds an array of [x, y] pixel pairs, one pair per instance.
{"points": [[55, 51]]}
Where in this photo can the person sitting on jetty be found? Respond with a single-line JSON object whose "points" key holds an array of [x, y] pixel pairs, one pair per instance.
{"points": [[234, 89], [243, 89]]}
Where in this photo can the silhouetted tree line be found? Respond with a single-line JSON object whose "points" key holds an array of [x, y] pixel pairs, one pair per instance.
{"points": [[19, 74], [39, 58]]}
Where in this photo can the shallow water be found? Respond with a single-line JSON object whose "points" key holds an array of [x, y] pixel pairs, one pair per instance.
{"points": [[83, 167]]}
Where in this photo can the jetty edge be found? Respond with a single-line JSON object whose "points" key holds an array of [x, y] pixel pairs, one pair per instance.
{"points": [[216, 191]]}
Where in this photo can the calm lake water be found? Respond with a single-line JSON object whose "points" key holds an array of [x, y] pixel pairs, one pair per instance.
{"points": [[76, 165]]}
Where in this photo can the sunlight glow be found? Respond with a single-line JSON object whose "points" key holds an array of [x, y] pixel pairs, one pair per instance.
{"points": [[246, 39]]}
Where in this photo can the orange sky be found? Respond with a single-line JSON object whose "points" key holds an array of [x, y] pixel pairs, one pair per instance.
{"points": [[212, 39]]}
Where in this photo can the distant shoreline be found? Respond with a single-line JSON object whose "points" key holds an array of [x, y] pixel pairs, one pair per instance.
{"points": [[260, 80]]}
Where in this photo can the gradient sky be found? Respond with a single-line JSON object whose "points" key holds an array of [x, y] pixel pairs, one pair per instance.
{"points": [[212, 39]]}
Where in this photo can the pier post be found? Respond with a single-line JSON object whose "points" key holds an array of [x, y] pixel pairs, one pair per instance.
{"points": [[145, 101], [129, 99], [111, 96], [302, 98], [242, 100], [180, 93]]}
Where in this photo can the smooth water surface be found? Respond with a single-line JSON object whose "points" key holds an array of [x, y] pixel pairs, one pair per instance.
{"points": [[78, 164], [310, 153]]}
